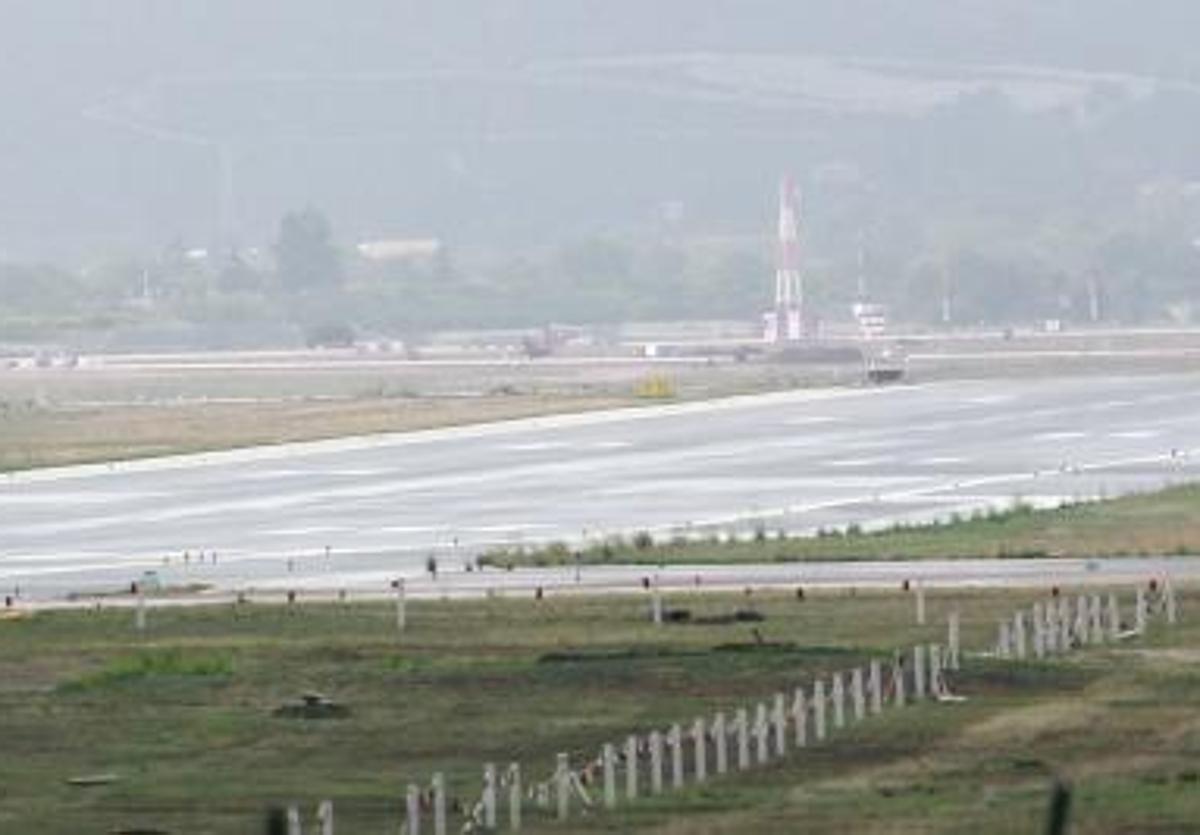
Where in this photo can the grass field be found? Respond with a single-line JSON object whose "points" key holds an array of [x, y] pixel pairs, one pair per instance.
{"points": [[1166, 522], [56, 417], [183, 717], [83, 435]]}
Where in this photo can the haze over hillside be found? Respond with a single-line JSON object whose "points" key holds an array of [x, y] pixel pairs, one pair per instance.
{"points": [[1019, 130]]}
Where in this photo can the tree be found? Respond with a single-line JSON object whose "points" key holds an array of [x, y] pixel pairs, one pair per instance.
{"points": [[306, 257]]}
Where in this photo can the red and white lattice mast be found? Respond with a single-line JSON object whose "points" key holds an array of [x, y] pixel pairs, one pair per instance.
{"points": [[786, 322]]}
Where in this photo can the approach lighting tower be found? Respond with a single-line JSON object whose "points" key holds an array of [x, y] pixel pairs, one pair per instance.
{"points": [[786, 322]]}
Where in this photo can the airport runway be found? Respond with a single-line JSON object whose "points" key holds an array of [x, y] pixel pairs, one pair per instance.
{"points": [[799, 460]]}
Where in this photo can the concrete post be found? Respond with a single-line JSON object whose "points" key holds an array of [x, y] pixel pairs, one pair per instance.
{"points": [[818, 708], [562, 785], [935, 670], [675, 743], [325, 817], [762, 733], [1003, 645], [293, 821], [800, 718], [1083, 620], [1050, 611], [608, 760], [439, 804], [1140, 611], [876, 686], [657, 604], [721, 743], [918, 656], [656, 762], [1019, 635], [857, 696], [920, 603], [1065, 639], [955, 629], [489, 796], [1095, 620], [700, 750], [1114, 616], [631, 768], [898, 681], [514, 797], [741, 728], [1038, 625], [413, 809], [1172, 610], [139, 617], [779, 719], [837, 694]]}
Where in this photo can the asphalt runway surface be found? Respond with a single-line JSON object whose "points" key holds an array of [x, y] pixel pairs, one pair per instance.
{"points": [[354, 513]]}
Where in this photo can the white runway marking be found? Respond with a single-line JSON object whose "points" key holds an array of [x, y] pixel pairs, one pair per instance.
{"points": [[942, 460], [1059, 436], [310, 531], [861, 462], [535, 446], [1135, 435], [811, 420]]}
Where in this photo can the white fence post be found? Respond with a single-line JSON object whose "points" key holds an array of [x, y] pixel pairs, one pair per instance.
{"points": [[818, 707], [743, 739], [656, 762], [1082, 621], [1172, 610], [514, 797], [837, 693], [1003, 646], [935, 670], [800, 718], [779, 719], [1140, 610], [293, 821], [1039, 632], [608, 758], [675, 742], [631, 768], [918, 656], [1114, 616], [762, 731], [439, 804], [489, 795], [876, 686], [562, 786], [1051, 613], [1064, 622], [898, 680], [413, 807], [700, 750], [721, 743], [1019, 635], [857, 697], [325, 817]]}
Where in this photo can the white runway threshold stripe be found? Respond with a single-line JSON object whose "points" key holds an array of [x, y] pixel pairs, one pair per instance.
{"points": [[795, 462]]}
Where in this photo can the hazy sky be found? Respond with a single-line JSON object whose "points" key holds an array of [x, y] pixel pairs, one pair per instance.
{"points": [[71, 185]]}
